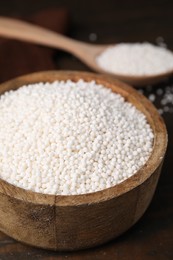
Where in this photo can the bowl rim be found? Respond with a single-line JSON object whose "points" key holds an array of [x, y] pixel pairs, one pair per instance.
{"points": [[131, 95]]}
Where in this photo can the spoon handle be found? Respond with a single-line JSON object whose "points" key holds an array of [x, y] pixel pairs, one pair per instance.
{"points": [[19, 30]]}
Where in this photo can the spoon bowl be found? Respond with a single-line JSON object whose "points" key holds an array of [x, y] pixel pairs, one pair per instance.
{"points": [[87, 53]]}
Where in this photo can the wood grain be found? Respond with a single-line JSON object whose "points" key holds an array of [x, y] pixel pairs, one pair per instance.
{"points": [[83, 221]]}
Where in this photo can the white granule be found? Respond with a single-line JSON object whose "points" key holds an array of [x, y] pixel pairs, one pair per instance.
{"points": [[136, 59], [159, 92], [70, 138], [152, 97]]}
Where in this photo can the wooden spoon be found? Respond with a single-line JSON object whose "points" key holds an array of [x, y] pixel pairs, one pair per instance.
{"points": [[16, 29]]}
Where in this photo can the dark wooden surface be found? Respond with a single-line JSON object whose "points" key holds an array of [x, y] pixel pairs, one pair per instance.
{"points": [[114, 21]]}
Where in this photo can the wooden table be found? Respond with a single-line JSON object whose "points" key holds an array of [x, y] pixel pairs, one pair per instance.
{"points": [[107, 22]]}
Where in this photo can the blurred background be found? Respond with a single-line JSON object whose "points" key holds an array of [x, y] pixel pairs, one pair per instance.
{"points": [[112, 20], [97, 21]]}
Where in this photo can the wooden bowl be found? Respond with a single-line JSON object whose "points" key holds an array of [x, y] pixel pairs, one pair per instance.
{"points": [[83, 221]]}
